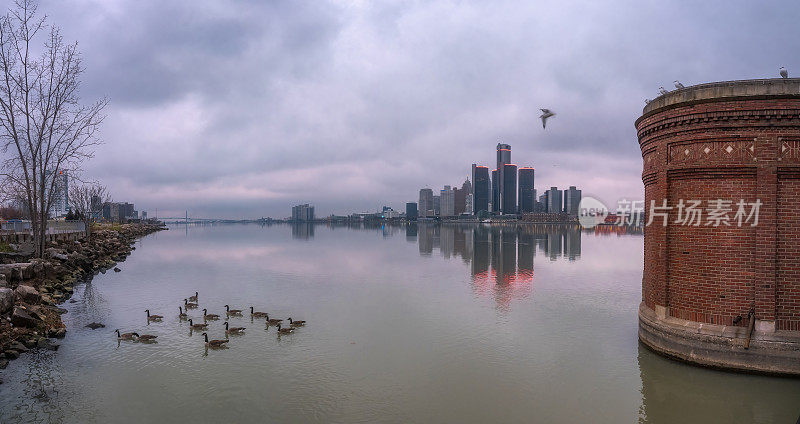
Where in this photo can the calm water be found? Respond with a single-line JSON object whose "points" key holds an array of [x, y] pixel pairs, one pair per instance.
{"points": [[422, 324]]}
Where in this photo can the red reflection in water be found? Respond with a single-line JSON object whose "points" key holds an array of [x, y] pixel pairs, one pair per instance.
{"points": [[504, 287]]}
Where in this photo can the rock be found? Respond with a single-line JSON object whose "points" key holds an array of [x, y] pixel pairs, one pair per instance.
{"points": [[30, 343], [28, 294], [3, 364], [61, 311], [57, 333], [6, 299], [117, 270], [44, 343], [12, 354], [18, 347], [3, 282], [95, 325], [23, 318]]}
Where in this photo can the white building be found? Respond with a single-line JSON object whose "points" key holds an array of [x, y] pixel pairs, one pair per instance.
{"points": [[448, 202]]}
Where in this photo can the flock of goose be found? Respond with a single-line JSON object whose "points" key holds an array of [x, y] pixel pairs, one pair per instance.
{"points": [[191, 303]]}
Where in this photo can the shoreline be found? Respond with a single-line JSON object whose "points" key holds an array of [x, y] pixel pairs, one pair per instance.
{"points": [[31, 289]]}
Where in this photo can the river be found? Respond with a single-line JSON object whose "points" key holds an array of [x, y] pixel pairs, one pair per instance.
{"points": [[417, 324]]}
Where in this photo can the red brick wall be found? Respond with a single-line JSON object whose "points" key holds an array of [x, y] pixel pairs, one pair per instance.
{"points": [[744, 149]]}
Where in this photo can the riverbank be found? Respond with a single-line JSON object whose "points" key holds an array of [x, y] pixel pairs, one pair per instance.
{"points": [[31, 289]]}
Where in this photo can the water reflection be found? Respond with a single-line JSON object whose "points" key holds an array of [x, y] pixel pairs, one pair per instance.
{"points": [[302, 230]]}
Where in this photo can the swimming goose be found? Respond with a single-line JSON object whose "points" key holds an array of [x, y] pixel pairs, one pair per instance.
{"points": [[153, 317], [209, 316], [189, 305], [182, 315], [284, 330], [230, 311], [199, 326], [146, 338], [193, 298], [257, 314], [214, 343], [233, 330], [297, 322], [125, 336], [272, 321]]}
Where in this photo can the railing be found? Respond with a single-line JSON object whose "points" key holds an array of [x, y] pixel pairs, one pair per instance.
{"points": [[53, 227]]}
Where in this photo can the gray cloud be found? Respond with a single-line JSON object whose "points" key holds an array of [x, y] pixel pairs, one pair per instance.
{"points": [[240, 109]]}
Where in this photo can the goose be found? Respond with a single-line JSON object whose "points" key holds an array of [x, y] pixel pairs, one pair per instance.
{"points": [[214, 343], [153, 317], [233, 330], [181, 314], [209, 316], [125, 336], [189, 305], [272, 321], [146, 338], [193, 298], [199, 326], [284, 330], [257, 314], [297, 322], [230, 311]]}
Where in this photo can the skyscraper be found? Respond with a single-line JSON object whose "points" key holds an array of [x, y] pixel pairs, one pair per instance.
{"points": [[495, 191], [509, 189], [527, 194], [448, 202], [425, 203], [554, 202], [572, 200], [461, 197], [437, 205], [503, 157], [411, 211], [301, 213], [480, 188]]}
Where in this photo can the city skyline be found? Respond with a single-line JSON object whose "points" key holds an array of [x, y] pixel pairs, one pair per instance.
{"points": [[232, 93]]}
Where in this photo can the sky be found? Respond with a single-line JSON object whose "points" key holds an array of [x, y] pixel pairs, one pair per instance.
{"points": [[242, 109]]}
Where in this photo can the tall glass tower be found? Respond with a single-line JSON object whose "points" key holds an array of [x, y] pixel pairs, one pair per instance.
{"points": [[503, 158]]}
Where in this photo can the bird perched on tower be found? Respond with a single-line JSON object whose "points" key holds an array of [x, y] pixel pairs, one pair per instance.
{"points": [[784, 72], [662, 91], [678, 84], [546, 113]]}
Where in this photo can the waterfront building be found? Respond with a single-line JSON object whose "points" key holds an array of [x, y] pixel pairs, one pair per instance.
{"points": [[503, 158], [724, 292], [411, 211], [508, 198], [447, 202], [469, 207], [425, 203], [461, 197], [481, 187], [572, 201], [527, 194], [303, 213], [495, 191], [437, 205], [554, 200], [59, 204]]}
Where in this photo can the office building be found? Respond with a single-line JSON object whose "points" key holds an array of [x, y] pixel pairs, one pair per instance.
{"points": [[59, 204], [495, 191], [425, 203], [461, 197], [303, 213], [527, 194], [447, 202], [572, 201], [503, 158], [554, 202], [481, 186], [469, 206], [411, 211], [508, 198], [437, 205]]}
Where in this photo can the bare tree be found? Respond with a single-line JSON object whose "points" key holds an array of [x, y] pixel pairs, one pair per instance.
{"points": [[87, 202], [45, 131]]}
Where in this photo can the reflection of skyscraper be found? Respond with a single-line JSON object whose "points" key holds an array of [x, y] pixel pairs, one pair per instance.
{"points": [[411, 232], [506, 273], [572, 243], [302, 230], [446, 240], [480, 186], [425, 239], [509, 189], [503, 157], [495, 191], [480, 251], [553, 246], [526, 249], [527, 194]]}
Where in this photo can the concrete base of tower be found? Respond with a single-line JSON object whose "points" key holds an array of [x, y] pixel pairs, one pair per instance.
{"points": [[720, 346]]}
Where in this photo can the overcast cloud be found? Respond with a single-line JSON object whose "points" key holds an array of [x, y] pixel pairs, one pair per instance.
{"points": [[242, 109]]}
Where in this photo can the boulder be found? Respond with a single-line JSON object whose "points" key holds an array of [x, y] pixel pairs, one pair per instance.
{"points": [[117, 270], [6, 299], [3, 364], [44, 343], [28, 294], [23, 318], [18, 347], [57, 333], [12, 354]]}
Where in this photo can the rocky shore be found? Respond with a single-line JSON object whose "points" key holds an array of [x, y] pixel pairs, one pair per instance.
{"points": [[31, 289]]}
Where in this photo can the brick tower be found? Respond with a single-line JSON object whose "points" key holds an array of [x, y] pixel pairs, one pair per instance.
{"points": [[723, 289]]}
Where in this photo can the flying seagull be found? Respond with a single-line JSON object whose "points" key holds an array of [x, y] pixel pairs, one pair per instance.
{"points": [[546, 113], [678, 84], [784, 72], [662, 91]]}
